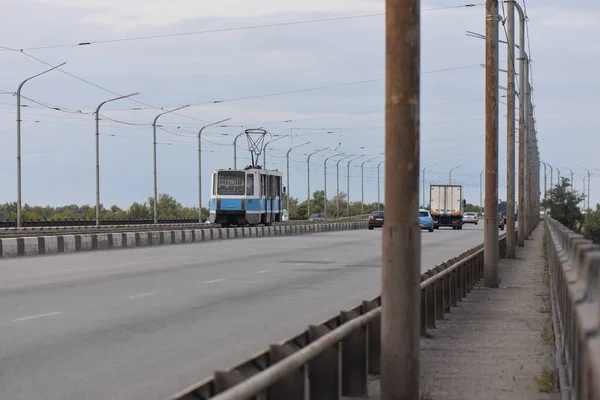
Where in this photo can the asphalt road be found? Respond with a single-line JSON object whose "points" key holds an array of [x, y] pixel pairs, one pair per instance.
{"points": [[145, 323]]}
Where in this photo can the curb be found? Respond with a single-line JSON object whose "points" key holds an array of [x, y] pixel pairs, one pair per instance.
{"points": [[42, 245]]}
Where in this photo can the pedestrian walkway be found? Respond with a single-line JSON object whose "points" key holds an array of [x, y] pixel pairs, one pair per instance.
{"points": [[497, 342]]}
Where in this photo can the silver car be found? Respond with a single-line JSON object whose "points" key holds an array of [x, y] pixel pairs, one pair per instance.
{"points": [[470, 218]]}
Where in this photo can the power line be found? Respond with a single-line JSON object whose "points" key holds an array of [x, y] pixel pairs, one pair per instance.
{"points": [[56, 108], [531, 94], [101, 87], [324, 87], [249, 27], [362, 112]]}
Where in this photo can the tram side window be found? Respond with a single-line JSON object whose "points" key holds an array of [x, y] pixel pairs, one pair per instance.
{"points": [[250, 185], [214, 184], [231, 183]]}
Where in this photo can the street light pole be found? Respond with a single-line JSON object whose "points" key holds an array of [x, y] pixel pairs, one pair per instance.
{"points": [[337, 178], [588, 188], [287, 163], [362, 184], [235, 150], [325, 182], [19, 216], [308, 179], [378, 189], [200, 166], [450, 173], [155, 208], [348, 185], [97, 118], [571, 171], [424, 169], [265, 149]]}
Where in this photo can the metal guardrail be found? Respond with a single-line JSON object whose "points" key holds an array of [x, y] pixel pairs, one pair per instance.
{"points": [[575, 284], [336, 357]]}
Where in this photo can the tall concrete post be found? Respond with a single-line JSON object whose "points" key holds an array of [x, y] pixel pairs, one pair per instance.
{"points": [[401, 243], [524, 138], [523, 66], [510, 134], [490, 238]]}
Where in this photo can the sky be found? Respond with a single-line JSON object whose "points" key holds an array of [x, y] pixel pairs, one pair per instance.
{"points": [[315, 84]]}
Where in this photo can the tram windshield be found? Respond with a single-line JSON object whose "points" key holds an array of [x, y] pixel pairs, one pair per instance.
{"points": [[231, 183]]}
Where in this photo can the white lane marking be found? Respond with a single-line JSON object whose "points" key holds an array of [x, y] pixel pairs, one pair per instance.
{"points": [[263, 271], [135, 296], [327, 258], [300, 264], [214, 280], [63, 270], [37, 316]]}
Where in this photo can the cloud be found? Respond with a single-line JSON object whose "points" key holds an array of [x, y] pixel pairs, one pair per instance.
{"points": [[134, 14], [244, 65]]}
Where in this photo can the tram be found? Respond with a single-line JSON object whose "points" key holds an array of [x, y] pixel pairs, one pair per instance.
{"points": [[252, 196]]}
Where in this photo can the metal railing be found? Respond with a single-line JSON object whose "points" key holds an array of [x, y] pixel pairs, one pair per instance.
{"points": [[336, 357], [574, 272]]}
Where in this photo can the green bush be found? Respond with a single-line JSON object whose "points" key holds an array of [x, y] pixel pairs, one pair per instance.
{"points": [[591, 225]]}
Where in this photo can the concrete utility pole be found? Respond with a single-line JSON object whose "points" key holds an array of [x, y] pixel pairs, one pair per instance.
{"points": [[325, 182], [19, 216], [200, 166], [348, 184], [287, 172], [490, 239], [530, 221], [308, 179], [481, 190], [155, 208], [362, 184], [524, 140], [401, 243], [523, 76], [545, 178], [510, 134], [378, 188], [97, 119]]}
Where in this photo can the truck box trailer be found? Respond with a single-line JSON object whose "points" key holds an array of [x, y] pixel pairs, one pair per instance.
{"points": [[447, 205]]}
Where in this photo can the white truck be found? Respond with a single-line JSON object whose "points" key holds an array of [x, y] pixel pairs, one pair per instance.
{"points": [[446, 205]]}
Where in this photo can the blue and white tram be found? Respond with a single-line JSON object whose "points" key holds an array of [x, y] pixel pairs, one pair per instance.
{"points": [[251, 196]]}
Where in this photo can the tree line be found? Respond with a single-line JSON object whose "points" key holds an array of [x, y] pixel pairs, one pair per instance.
{"points": [[564, 205], [169, 208]]}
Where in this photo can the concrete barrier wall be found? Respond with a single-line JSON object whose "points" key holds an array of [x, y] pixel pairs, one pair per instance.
{"points": [[574, 266], [41, 245]]}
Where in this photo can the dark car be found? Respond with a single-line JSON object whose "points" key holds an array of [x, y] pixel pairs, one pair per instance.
{"points": [[375, 220]]}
